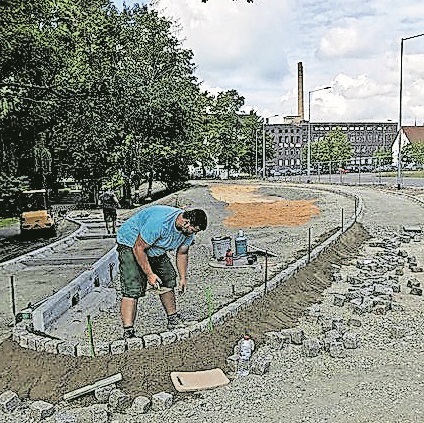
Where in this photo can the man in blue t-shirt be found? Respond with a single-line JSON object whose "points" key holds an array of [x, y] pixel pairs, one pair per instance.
{"points": [[143, 241]]}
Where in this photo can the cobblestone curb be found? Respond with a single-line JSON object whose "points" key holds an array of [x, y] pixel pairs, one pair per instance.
{"points": [[22, 332]]}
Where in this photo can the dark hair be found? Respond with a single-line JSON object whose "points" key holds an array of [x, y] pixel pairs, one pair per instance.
{"points": [[197, 217]]}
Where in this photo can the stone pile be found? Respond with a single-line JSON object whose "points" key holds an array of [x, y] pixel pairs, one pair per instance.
{"points": [[110, 401]]}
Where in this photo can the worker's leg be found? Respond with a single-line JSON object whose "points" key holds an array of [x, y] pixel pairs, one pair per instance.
{"points": [[168, 302], [133, 286], [128, 311]]}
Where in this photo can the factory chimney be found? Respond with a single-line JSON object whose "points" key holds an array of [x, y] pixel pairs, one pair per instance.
{"points": [[300, 108]]}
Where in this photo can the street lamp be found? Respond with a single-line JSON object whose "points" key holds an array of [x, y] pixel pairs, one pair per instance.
{"points": [[399, 167], [256, 153], [264, 145], [308, 154]]}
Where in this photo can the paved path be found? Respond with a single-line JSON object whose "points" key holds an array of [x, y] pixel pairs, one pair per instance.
{"points": [[37, 278]]}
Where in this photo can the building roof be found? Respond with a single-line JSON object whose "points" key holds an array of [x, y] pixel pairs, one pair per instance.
{"points": [[415, 134]]}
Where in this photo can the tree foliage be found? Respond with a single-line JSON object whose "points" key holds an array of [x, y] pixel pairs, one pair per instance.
{"points": [[413, 153], [334, 147], [95, 94]]}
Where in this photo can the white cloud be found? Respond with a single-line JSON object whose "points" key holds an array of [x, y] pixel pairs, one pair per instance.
{"points": [[352, 45]]}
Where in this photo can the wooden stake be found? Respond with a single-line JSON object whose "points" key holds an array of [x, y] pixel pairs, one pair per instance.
{"points": [[89, 388]]}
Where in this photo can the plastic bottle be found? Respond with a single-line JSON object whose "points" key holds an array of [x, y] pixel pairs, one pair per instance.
{"points": [[246, 347], [241, 244]]}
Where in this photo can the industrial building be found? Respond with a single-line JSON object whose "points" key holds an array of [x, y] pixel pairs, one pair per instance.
{"points": [[291, 136]]}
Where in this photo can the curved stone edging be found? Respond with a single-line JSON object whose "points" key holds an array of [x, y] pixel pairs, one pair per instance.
{"points": [[27, 339], [69, 240]]}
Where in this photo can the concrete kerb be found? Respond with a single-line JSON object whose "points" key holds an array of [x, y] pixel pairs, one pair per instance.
{"points": [[62, 300], [101, 274]]}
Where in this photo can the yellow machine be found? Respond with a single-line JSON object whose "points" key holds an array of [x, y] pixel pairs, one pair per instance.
{"points": [[35, 217]]}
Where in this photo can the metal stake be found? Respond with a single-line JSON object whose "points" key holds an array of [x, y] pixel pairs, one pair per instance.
{"points": [[309, 245], [12, 286], [266, 270]]}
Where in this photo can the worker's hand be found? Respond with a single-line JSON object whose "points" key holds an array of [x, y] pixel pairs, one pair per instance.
{"points": [[182, 286], [154, 281]]}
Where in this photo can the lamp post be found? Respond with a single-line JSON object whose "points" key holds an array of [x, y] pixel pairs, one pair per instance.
{"points": [[256, 153], [399, 167], [308, 153], [264, 145]]}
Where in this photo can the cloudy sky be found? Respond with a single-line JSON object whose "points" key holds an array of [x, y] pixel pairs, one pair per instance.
{"points": [[351, 45]]}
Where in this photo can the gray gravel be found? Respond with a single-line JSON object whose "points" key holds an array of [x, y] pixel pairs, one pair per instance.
{"points": [[381, 381], [288, 243]]}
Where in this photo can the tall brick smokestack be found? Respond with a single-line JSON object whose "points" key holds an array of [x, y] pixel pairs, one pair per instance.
{"points": [[300, 105]]}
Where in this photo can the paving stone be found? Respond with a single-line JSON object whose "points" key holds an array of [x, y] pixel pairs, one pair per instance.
{"points": [[141, 405], [278, 340], [135, 344], [397, 332], [312, 347], [162, 401], [67, 348], [339, 300], [101, 348], [168, 337], [416, 291], [119, 346], [260, 365], [9, 401], [337, 350], [67, 417], [52, 346], [232, 362], [102, 394], [351, 340], [152, 340], [354, 322], [119, 401], [40, 410], [99, 413], [84, 350]]}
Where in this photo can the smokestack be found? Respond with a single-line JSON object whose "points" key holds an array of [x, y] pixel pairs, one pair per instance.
{"points": [[300, 108]]}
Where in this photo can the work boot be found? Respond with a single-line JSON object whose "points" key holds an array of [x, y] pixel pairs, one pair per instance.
{"points": [[129, 333]]}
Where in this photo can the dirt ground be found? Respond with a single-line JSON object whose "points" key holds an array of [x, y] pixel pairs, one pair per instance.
{"points": [[251, 209], [43, 376]]}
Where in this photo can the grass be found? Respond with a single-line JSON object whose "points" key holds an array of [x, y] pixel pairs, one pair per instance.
{"points": [[8, 221]]}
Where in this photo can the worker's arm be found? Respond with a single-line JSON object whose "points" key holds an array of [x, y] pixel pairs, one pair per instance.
{"points": [[182, 263], [140, 254]]}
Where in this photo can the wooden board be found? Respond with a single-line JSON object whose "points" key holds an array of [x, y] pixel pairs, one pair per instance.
{"points": [[196, 381]]}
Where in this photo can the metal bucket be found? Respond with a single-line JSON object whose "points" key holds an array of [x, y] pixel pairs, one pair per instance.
{"points": [[220, 245]]}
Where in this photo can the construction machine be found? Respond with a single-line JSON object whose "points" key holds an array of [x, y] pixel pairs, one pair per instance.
{"points": [[36, 219]]}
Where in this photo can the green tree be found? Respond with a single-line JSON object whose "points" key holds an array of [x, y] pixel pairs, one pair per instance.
{"points": [[413, 153], [383, 155], [334, 149]]}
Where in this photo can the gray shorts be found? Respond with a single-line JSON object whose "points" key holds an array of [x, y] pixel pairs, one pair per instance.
{"points": [[134, 280]]}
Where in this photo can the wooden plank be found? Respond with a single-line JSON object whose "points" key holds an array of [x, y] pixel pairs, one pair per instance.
{"points": [[88, 388]]}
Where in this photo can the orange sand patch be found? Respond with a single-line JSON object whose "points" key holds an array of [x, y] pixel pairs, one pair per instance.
{"points": [[251, 209]]}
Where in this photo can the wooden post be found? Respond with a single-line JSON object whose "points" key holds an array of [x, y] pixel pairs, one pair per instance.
{"points": [[342, 220]]}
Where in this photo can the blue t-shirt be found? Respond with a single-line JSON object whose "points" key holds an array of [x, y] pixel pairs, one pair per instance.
{"points": [[156, 226]]}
